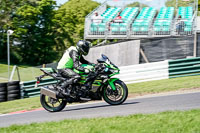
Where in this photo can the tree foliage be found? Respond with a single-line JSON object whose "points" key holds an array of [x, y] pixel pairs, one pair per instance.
{"points": [[137, 4], [34, 33], [70, 19], [41, 32], [7, 10], [172, 3]]}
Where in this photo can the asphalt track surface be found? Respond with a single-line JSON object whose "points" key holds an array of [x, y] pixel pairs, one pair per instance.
{"points": [[101, 109]]}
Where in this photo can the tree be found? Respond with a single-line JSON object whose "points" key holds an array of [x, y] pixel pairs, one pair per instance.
{"points": [[7, 10], [172, 3], [70, 19], [34, 33], [40, 31], [137, 4]]}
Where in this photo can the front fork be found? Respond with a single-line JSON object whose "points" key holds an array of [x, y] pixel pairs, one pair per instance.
{"points": [[111, 83]]}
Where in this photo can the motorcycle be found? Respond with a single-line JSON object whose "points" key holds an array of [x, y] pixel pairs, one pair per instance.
{"points": [[112, 90]]}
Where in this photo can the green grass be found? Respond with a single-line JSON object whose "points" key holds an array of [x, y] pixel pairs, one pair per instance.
{"points": [[165, 85], [166, 122], [26, 73], [137, 88], [21, 104]]}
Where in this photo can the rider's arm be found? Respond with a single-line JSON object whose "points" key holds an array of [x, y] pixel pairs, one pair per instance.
{"points": [[75, 57], [83, 61]]}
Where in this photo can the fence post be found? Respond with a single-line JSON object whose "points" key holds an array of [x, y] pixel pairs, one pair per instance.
{"points": [[195, 44], [143, 55], [18, 73], [13, 71]]}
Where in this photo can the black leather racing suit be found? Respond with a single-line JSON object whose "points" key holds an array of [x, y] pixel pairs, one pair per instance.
{"points": [[69, 73]]}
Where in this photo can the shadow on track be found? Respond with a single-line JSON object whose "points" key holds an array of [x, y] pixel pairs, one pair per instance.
{"points": [[99, 106]]}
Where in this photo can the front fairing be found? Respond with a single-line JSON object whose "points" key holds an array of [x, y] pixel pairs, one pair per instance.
{"points": [[107, 70], [110, 68]]}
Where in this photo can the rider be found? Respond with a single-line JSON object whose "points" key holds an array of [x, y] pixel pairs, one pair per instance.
{"points": [[73, 58]]}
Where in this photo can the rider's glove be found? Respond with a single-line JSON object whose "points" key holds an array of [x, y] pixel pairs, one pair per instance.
{"points": [[86, 71]]}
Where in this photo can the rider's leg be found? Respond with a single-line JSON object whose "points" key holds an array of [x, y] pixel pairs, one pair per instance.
{"points": [[71, 76], [68, 73]]}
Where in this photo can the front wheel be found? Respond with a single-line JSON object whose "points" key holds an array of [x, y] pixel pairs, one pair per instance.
{"points": [[51, 104], [118, 96]]}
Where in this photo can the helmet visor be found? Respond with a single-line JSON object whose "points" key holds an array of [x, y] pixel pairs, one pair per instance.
{"points": [[85, 50]]}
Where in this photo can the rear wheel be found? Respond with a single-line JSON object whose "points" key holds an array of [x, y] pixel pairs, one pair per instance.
{"points": [[118, 96], [51, 104]]}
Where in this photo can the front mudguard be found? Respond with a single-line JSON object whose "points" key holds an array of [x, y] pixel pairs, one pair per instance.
{"points": [[111, 82]]}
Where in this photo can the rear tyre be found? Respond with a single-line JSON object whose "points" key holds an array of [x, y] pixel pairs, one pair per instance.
{"points": [[13, 83], [3, 85], [3, 99], [3, 96], [51, 104], [3, 88], [118, 96], [13, 87], [13, 95], [12, 98], [14, 92], [3, 93]]}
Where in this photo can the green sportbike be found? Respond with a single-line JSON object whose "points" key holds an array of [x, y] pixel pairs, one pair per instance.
{"points": [[112, 90]]}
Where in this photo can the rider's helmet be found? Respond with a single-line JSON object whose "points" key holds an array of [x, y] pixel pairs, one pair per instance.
{"points": [[83, 47]]}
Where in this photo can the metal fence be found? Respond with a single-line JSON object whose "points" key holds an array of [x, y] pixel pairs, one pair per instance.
{"points": [[24, 73], [162, 27], [29, 90], [184, 67], [107, 31], [144, 72], [184, 26], [135, 73]]}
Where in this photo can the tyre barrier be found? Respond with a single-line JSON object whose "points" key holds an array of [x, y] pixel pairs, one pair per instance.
{"points": [[3, 92], [13, 90], [10, 91]]}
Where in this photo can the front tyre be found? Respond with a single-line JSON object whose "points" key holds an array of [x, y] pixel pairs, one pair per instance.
{"points": [[51, 104], [118, 96]]}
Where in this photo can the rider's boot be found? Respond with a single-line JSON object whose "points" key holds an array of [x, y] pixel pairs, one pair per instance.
{"points": [[86, 88], [85, 97], [88, 83], [63, 89]]}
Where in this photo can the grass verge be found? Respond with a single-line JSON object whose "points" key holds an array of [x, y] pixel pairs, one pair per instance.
{"points": [[26, 73], [21, 104], [165, 122], [165, 85], [136, 89]]}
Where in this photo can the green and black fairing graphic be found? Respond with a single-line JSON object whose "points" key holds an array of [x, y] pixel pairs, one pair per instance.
{"points": [[110, 70], [112, 90]]}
